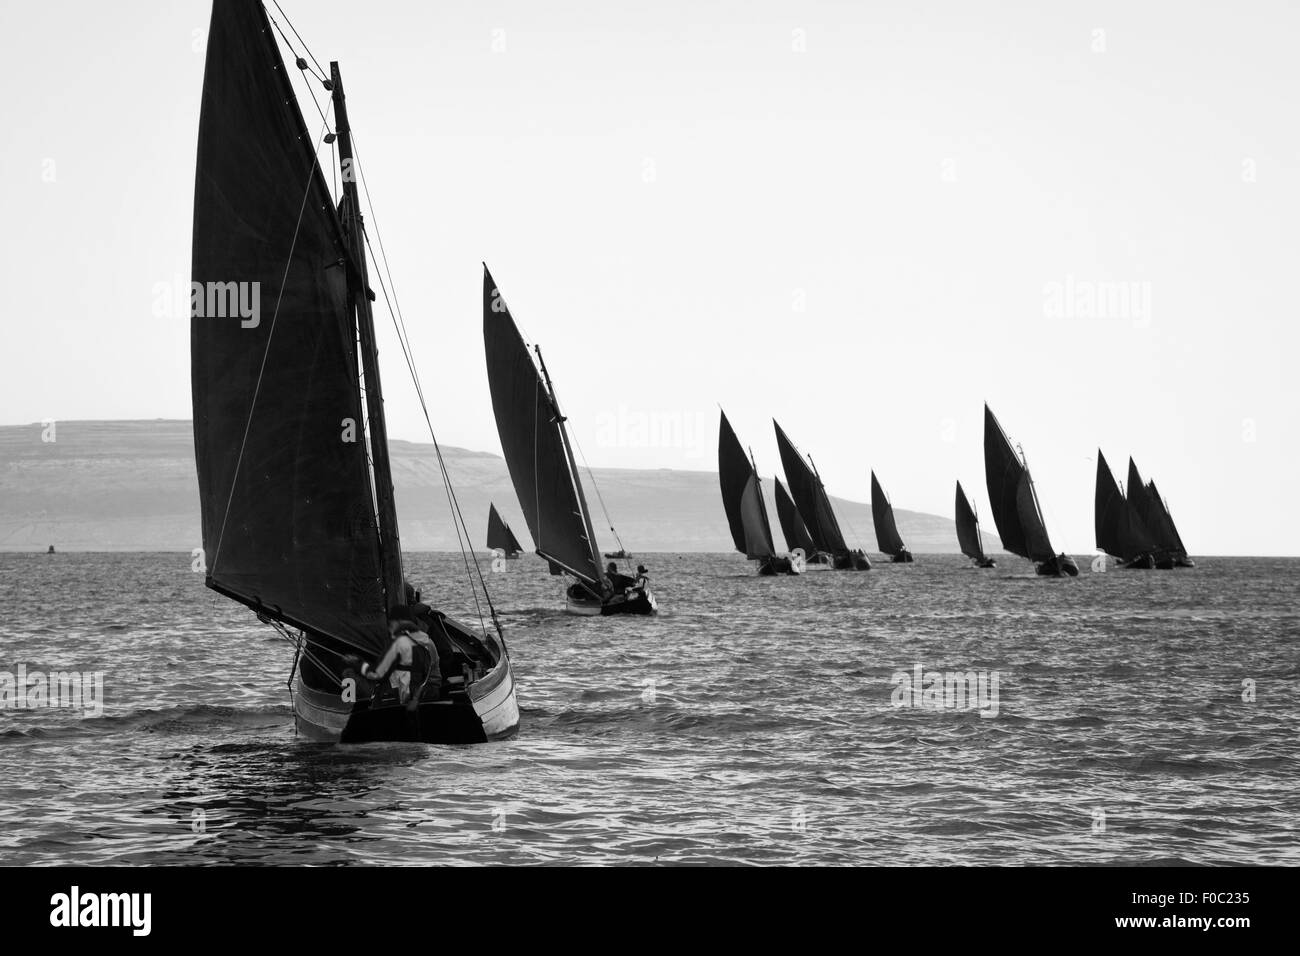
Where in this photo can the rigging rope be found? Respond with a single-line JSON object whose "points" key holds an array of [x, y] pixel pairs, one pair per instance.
{"points": [[399, 324], [599, 497]]}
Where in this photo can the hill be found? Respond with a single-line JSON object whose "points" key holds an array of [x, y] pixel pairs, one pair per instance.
{"points": [[131, 486]]}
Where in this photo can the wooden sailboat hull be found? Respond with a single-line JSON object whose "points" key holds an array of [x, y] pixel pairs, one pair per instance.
{"points": [[485, 711], [771, 567], [1058, 567], [1143, 562], [578, 602], [903, 557], [852, 561], [985, 562]]}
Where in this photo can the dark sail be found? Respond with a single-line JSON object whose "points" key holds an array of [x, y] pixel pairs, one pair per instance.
{"points": [[499, 535], [968, 530], [810, 498], [734, 472], [1144, 506], [882, 513], [1119, 530], [530, 430], [792, 526], [758, 536], [1011, 495], [1170, 539], [288, 510], [1031, 520]]}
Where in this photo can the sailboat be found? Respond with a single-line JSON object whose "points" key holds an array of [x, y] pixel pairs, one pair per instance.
{"points": [[968, 532], [1016, 511], [814, 507], [544, 472], [1170, 531], [1159, 523], [742, 497], [1120, 532], [887, 536], [500, 537], [797, 539], [298, 516]]}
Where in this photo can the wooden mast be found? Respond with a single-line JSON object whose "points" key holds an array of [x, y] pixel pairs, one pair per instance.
{"points": [[390, 546], [573, 469]]}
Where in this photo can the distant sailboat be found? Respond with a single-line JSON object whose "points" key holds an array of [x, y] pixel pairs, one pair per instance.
{"points": [[296, 494], [543, 470], [51, 551], [742, 498], [1016, 512], [500, 537], [797, 538], [1158, 522], [1120, 532], [1174, 539], [968, 532], [814, 507], [887, 536]]}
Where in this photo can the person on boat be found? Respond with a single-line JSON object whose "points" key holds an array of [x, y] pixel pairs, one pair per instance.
{"points": [[411, 663], [619, 583], [641, 584]]}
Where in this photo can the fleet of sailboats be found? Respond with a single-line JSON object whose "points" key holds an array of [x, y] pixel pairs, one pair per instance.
{"points": [[742, 498], [296, 490]]}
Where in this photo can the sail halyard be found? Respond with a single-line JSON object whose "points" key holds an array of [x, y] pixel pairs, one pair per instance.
{"points": [[390, 546]]}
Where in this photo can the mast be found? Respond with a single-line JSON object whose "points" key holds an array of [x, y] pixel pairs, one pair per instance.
{"points": [[390, 547], [573, 465]]}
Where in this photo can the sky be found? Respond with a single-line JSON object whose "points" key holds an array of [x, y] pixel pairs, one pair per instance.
{"points": [[861, 219]]}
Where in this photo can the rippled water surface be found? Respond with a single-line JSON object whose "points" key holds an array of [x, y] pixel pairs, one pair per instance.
{"points": [[752, 721]]}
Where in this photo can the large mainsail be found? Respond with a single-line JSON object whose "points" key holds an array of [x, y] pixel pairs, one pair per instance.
{"points": [[882, 514], [810, 498], [968, 531], [536, 446], [288, 509], [1011, 495], [792, 526]]}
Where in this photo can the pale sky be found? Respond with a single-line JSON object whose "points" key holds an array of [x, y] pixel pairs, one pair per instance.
{"points": [[863, 219]]}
